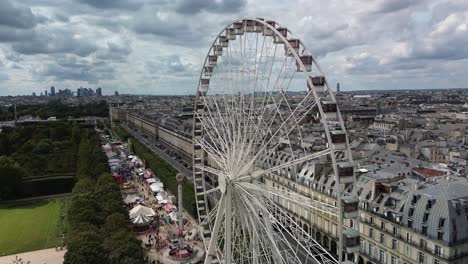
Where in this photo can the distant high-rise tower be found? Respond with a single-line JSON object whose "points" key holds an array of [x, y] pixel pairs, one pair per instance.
{"points": [[99, 91], [116, 93], [45, 92], [337, 87], [52, 91]]}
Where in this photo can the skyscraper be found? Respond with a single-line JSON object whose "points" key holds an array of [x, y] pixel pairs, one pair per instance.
{"points": [[99, 91], [52, 91]]}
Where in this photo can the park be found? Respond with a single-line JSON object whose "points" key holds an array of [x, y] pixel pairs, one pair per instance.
{"points": [[32, 225]]}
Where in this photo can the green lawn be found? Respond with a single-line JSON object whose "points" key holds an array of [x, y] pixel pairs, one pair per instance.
{"points": [[31, 225]]}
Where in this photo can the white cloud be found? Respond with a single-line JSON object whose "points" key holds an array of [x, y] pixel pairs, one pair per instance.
{"points": [[148, 46]]}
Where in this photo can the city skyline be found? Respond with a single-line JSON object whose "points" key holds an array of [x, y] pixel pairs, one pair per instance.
{"points": [[155, 47]]}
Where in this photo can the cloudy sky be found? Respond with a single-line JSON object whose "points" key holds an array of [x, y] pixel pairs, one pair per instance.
{"points": [[157, 46]]}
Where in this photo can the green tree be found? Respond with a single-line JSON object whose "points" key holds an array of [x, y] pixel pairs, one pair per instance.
{"points": [[114, 223], [109, 197], [84, 167], [85, 248], [124, 248], [84, 185], [10, 178], [83, 209]]}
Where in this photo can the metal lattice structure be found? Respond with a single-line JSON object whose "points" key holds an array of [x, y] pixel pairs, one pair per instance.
{"points": [[264, 110]]}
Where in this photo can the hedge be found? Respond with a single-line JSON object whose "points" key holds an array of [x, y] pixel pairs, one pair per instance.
{"points": [[48, 186]]}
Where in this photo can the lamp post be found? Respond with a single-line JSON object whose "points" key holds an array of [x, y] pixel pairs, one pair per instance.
{"points": [[180, 180]]}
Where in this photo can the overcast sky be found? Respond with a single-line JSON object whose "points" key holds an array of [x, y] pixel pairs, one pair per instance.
{"points": [[157, 46]]}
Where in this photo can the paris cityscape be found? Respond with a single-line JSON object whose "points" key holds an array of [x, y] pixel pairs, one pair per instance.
{"points": [[220, 131]]}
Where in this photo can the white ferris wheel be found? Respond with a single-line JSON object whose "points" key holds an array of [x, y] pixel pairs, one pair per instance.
{"points": [[267, 129]]}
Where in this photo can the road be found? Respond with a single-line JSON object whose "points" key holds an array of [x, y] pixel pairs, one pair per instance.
{"points": [[151, 145]]}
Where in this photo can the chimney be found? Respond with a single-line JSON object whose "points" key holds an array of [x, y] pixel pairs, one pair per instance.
{"points": [[415, 185]]}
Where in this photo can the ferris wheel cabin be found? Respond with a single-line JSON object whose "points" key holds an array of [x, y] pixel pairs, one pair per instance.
{"points": [[345, 172], [307, 60], [295, 44], [283, 31], [351, 240], [223, 41], [268, 31]]}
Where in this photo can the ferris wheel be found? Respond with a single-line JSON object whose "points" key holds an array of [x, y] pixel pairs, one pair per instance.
{"points": [[266, 130]]}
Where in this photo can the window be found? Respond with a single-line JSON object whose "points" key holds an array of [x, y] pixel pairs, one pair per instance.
{"points": [[424, 230], [441, 222], [437, 250], [421, 258], [407, 250], [425, 217], [411, 212], [408, 237], [436, 261], [371, 250], [382, 225], [372, 220], [410, 223], [393, 260], [395, 231], [382, 256], [440, 235], [382, 238], [429, 204], [422, 243], [394, 244], [371, 232]]}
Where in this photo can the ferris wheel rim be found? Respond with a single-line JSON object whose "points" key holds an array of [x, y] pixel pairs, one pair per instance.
{"points": [[304, 71]]}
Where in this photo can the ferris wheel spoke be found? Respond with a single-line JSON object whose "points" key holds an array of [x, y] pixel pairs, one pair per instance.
{"points": [[261, 226], [293, 162], [301, 238], [266, 141], [276, 241], [211, 170], [300, 200]]}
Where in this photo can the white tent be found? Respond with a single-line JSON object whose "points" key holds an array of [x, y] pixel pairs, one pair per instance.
{"points": [[156, 188], [131, 198], [159, 184], [141, 219], [141, 210], [150, 180]]}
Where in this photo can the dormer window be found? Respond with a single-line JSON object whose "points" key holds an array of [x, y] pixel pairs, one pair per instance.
{"points": [[429, 204], [425, 217], [441, 222]]}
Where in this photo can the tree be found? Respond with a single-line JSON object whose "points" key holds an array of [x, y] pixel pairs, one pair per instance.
{"points": [[114, 223], [85, 248], [11, 175], [109, 197], [84, 185], [84, 159], [124, 248], [83, 209], [76, 134]]}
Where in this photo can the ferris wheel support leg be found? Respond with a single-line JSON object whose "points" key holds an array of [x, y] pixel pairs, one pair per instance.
{"points": [[227, 226], [214, 236]]}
